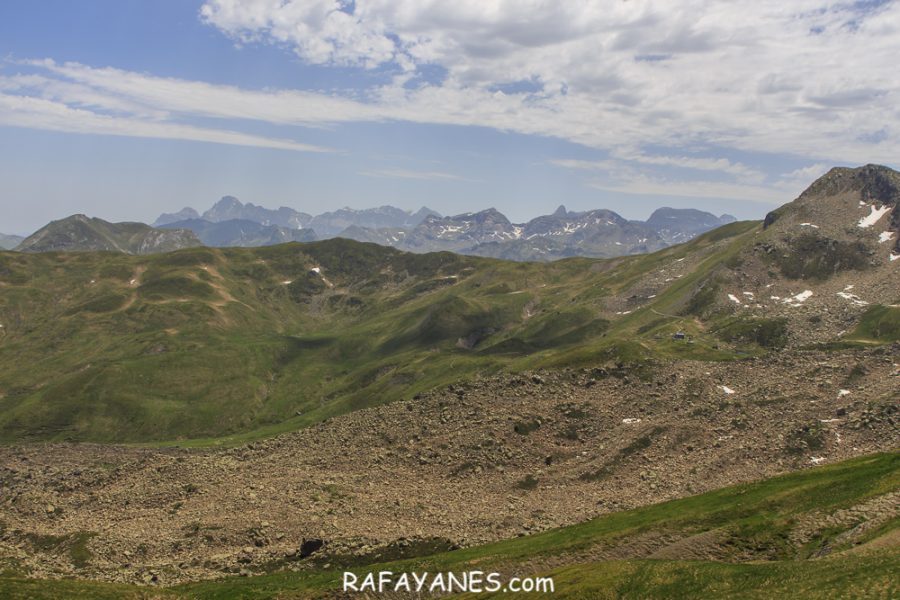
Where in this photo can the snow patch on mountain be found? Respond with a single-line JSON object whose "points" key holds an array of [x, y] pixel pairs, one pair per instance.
{"points": [[874, 216]]}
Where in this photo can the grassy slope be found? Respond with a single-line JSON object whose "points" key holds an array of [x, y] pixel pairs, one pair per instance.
{"points": [[878, 324], [753, 518], [211, 344]]}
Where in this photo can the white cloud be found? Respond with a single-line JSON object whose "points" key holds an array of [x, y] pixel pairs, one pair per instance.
{"points": [[630, 176], [804, 77], [693, 189], [809, 78], [804, 175], [721, 165], [320, 31], [200, 99], [585, 165], [37, 113], [620, 176], [410, 174]]}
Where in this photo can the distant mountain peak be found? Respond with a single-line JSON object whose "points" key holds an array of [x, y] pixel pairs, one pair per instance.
{"points": [[864, 200], [229, 208], [228, 201], [79, 233], [677, 225], [424, 212], [8, 242], [184, 214], [561, 212]]}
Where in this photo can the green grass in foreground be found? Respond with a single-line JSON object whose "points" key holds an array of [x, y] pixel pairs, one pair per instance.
{"points": [[838, 578], [753, 518], [879, 323]]}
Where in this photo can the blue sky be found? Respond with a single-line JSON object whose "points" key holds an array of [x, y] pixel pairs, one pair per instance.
{"points": [[124, 109]]}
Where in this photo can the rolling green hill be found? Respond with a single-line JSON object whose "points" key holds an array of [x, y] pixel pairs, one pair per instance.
{"points": [[205, 343], [783, 537], [212, 342]]}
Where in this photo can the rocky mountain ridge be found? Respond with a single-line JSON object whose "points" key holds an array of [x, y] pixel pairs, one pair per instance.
{"points": [[185, 214], [595, 233], [230, 208], [679, 225], [241, 232], [333, 223]]}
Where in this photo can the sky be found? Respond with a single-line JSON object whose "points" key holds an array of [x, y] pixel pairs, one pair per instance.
{"points": [[123, 109]]}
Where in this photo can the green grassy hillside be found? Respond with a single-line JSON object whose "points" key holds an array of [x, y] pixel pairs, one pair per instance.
{"points": [[221, 345], [205, 343], [776, 538]]}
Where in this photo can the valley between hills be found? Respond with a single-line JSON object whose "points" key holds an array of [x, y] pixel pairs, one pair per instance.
{"points": [[186, 416]]}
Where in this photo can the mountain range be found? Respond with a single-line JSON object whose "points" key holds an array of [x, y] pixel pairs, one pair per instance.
{"points": [[328, 224], [231, 223], [595, 233], [241, 232]]}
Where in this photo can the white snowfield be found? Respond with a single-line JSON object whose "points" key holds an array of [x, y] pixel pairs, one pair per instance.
{"points": [[874, 216], [799, 298], [846, 295], [734, 298], [631, 421], [894, 257], [726, 389], [885, 236]]}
